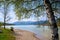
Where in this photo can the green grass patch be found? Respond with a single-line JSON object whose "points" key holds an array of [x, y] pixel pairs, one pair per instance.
{"points": [[6, 35]]}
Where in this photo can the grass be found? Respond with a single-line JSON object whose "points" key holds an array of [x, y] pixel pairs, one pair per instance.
{"points": [[6, 35]]}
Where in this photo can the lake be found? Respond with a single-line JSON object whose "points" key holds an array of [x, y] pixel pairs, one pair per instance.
{"points": [[40, 31]]}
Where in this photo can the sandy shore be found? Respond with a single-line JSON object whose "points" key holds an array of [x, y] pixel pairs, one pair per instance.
{"points": [[24, 35]]}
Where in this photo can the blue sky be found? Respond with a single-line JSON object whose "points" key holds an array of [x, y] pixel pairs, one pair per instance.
{"points": [[14, 18]]}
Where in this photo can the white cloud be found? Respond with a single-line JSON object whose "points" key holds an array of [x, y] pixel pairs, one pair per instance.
{"points": [[14, 18], [32, 18], [41, 18], [29, 19]]}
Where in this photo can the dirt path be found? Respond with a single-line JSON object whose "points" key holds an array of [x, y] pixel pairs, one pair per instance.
{"points": [[25, 35]]}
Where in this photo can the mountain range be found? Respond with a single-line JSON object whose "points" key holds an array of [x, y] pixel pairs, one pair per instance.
{"points": [[29, 22]]}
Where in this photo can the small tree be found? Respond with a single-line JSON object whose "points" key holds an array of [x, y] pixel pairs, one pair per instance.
{"points": [[6, 16], [1, 24]]}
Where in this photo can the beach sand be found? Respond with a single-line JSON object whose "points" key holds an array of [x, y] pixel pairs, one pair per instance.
{"points": [[24, 35]]}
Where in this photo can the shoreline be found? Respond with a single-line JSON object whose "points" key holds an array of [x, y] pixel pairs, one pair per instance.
{"points": [[25, 35]]}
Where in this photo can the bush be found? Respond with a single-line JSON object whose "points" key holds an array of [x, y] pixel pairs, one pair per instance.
{"points": [[1, 24], [12, 29], [0, 31]]}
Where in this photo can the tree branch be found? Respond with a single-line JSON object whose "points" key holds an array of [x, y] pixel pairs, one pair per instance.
{"points": [[55, 2], [36, 7]]}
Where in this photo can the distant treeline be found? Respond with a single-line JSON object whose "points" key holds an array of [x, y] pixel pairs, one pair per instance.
{"points": [[48, 24], [1, 24]]}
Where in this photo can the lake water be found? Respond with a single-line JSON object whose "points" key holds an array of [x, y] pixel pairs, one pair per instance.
{"points": [[42, 32]]}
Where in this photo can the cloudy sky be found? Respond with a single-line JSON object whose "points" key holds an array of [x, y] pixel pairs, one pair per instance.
{"points": [[14, 18]]}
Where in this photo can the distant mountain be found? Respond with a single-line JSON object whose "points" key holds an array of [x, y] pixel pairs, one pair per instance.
{"points": [[29, 22]]}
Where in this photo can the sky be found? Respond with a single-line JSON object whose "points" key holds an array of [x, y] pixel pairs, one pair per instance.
{"points": [[14, 18]]}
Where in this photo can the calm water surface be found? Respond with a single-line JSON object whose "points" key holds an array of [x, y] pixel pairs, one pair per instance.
{"points": [[41, 32]]}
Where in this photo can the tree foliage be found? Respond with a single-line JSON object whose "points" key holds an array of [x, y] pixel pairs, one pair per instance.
{"points": [[26, 7], [1, 24]]}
